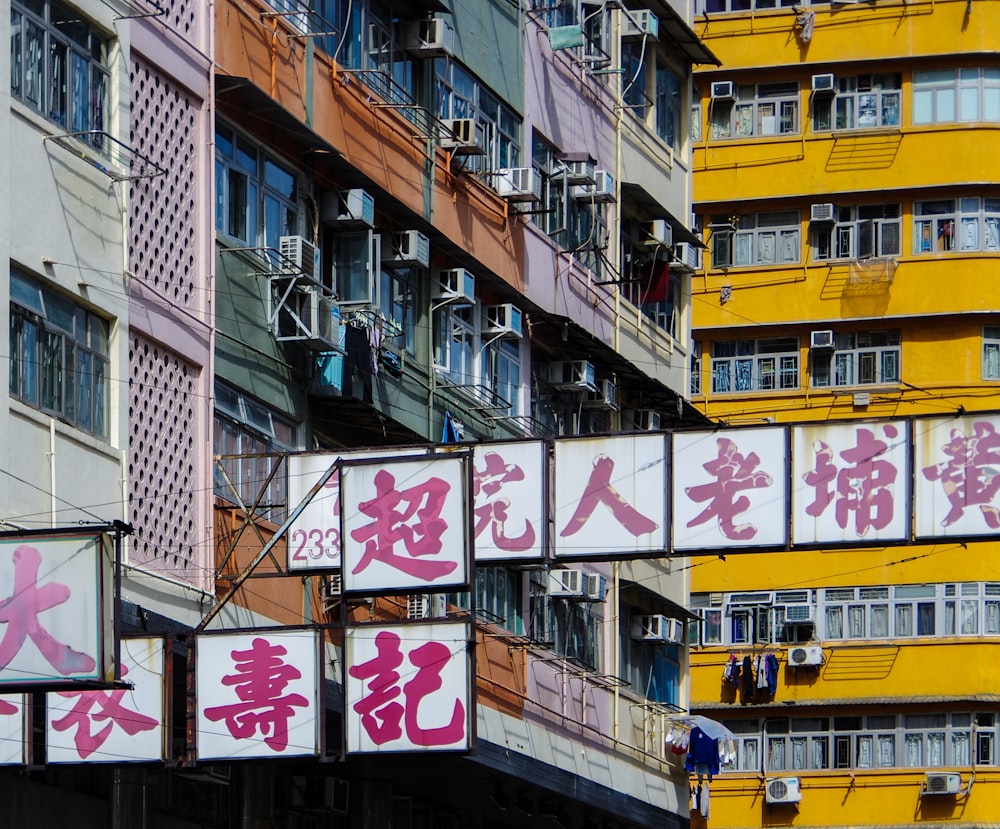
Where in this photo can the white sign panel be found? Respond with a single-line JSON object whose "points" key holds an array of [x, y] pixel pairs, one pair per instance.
{"points": [[957, 476], [53, 610], [729, 489], [509, 500], [314, 537], [13, 720], [407, 688], [850, 482], [117, 726], [258, 694], [611, 496], [406, 524]]}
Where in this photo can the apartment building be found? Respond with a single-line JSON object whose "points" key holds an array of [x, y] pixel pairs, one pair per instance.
{"points": [[842, 183], [283, 242]]}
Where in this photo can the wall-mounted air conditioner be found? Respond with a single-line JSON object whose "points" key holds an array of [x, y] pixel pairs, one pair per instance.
{"points": [[658, 628], [565, 583], [328, 323], [798, 613], [723, 91], [805, 656], [602, 191], [687, 257], [425, 606], [659, 232], [406, 248], [938, 782], [823, 212], [518, 184], [824, 83], [822, 341], [579, 171], [503, 321], [301, 255], [330, 590], [639, 23], [783, 790], [431, 38], [572, 375], [606, 397], [463, 136], [348, 208], [456, 286], [595, 587]]}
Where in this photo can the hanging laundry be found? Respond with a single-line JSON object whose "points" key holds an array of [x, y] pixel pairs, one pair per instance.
{"points": [[772, 674], [731, 673], [703, 753], [747, 679]]}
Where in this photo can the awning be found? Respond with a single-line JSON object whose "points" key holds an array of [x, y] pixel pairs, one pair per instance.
{"points": [[675, 28], [646, 204]]}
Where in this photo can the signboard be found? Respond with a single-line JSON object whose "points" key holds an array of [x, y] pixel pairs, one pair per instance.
{"points": [[13, 730], [258, 694], [509, 501], [408, 688]]}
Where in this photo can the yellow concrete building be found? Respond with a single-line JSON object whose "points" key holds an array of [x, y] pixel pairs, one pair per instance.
{"points": [[846, 189]]}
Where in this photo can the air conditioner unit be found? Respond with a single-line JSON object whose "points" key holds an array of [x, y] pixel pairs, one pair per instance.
{"points": [[463, 136], [805, 656], [723, 91], [330, 590], [327, 329], [659, 232], [639, 23], [606, 397], [417, 606], [783, 790], [348, 208], [824, 212], [942, 783], [687, 257], [822, 341], [579, 171], [658, 628], [572, 375], [434, 37], [456, 286], [300, 254], [595, 587], [798, 613], [565, 583], [643, 420], [602, 191], [407, 248], [824, 83], [503, 321], [518, 184]]}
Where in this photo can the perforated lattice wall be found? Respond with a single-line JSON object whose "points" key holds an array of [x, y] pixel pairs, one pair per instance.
{"points": [[181, 17], [162, 210], [162, 464]]}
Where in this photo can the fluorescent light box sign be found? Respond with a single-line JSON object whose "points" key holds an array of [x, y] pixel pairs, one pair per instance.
{"points": [[257, 694], [957, 476], [56, 620], [13, 730], [121, 725], [729, 489], [314, 536], [850, 482], [406, 524], [408, 688], [509, 500], [610, 496]]}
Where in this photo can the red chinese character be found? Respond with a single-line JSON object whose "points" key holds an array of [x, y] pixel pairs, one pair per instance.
{"points": [[486, 483], [970, 476], [382, 715], [8, 709], [600, 491], [109, 709], [424, 502], [821, 479], [260, 679], [733, 472], [20, 612]]}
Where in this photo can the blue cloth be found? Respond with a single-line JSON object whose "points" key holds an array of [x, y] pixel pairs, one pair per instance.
{"points": [[772, 674], [702, 751]]}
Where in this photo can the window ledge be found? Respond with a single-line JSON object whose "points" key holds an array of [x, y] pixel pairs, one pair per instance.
{"points": [[65, 430]]}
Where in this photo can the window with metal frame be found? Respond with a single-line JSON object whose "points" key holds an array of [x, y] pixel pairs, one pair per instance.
{"points": [[943, 96], [991, 352], [860, 102], [756, 239], [860, 358], [767, 109], [859, 232], [947, 225], [770, 364]]}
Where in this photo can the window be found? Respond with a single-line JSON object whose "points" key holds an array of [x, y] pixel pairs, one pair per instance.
{"points": [[762, 110], [247, 431], [667, 112], [966, 224], [501, 373], [456, 343], [634, 75], [59, 356], [944, 96], [716, 6], [255, 197], [755, 365], [59, 65], [397, 302], [860, 358], [652, 670], [457, 94], [356, 266], [573, 628], [991, 352], [499, 598], [695, 368], [858, 233], [864, 102], [756, 239]]}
